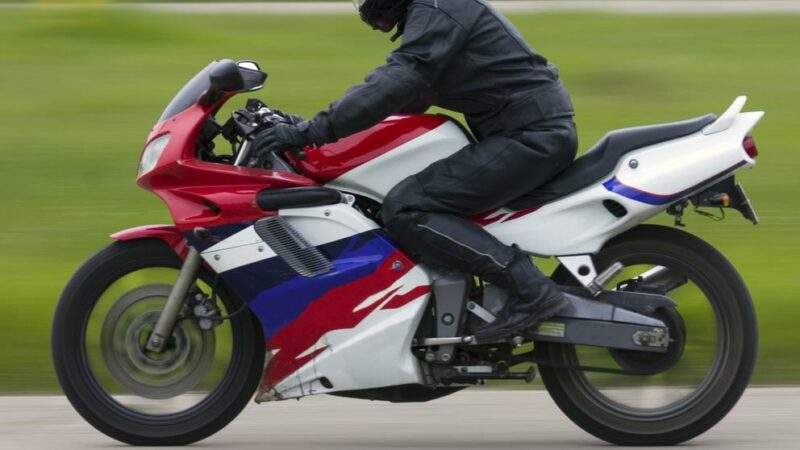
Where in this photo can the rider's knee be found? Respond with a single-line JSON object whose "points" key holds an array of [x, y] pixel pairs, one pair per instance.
{"points": [[396, 204]]}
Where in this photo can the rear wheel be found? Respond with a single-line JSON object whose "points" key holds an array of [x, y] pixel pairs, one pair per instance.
{"points": [[702, 376], [202, 380]]}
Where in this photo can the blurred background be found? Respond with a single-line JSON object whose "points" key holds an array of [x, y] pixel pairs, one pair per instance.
{"points": [[81, 86]]}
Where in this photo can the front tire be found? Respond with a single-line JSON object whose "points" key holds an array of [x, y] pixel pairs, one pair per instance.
{"points": [[101, 397], [612, 408]]}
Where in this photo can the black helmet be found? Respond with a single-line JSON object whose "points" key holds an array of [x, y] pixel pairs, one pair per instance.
{"points": [[382, 15]]}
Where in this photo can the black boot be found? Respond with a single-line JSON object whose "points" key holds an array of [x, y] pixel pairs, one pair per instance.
{"points": [[533, 298], [459, 244]]}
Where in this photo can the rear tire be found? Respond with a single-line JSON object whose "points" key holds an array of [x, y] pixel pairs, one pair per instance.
{"points": [[722, 387], [82, 387]]}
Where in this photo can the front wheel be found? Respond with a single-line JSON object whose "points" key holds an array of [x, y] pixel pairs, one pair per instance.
{"points": [[197, 385], [691, 388]]}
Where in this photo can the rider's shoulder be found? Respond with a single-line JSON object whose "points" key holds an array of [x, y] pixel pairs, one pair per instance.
{"points": [[462, 11]]}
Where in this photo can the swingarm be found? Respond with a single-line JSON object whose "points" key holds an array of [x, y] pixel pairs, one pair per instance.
{"points": [[632, 320], [584, 322]]}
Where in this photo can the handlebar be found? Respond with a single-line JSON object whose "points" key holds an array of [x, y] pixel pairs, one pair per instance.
{"points": [[245, 123]]}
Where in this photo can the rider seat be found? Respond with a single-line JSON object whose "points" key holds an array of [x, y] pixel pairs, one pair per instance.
{"points": [[601, 159]]}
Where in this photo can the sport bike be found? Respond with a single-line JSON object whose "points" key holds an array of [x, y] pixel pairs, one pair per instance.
{"points": [[277, 281]]}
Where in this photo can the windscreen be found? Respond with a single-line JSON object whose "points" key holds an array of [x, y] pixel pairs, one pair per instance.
{"points": [[189, 94]]}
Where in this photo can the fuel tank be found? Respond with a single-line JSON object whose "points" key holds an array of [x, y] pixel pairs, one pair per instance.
{"points": [[372, 162]]}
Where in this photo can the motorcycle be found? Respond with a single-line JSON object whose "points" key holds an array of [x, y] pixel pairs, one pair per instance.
{"points": [[277, 280]]}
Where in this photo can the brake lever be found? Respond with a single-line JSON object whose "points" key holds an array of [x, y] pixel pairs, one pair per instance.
{"points": [[245, 122]]}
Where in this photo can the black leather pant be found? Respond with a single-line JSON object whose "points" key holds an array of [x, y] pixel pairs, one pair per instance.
{"points": [[427, 212]]}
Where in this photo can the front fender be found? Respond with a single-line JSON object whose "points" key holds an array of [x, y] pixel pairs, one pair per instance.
{"points": [[167, 233]]}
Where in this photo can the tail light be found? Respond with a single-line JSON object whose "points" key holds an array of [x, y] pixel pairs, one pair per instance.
{"points": [[749, 145]]}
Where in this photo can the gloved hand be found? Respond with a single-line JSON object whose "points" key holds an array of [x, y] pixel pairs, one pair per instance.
{"points": [[293, 119], [281, 136]]}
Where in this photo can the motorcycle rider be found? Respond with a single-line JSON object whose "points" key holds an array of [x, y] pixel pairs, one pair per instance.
{"points": [[464, 56]]}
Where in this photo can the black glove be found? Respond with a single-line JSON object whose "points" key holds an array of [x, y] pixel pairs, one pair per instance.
{"points": [[281, 136], [293, 119]]}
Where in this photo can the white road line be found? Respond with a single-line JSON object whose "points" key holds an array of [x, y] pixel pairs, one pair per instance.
{"points": [[655, 6], [519, 6]]}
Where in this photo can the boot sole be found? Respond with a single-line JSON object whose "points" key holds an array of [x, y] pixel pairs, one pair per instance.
{"points": [[524, 327], [527, 327]]}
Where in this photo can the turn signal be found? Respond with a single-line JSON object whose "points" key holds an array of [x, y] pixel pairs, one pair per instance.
{"points": [[721, 199], [749, 145]]}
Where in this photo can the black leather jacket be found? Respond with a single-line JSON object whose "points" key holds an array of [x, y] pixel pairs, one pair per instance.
{"points": [[461, 55]]}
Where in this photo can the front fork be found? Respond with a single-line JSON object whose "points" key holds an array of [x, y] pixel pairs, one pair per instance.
{"points": [[169, 316]]}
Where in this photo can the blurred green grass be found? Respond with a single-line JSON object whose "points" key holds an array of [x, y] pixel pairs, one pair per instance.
{"points": [[80, 89]]}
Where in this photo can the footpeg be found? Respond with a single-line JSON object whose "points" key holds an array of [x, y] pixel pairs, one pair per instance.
{"points": [[582, 268], [445, 341], [599, 283], [472, 374]]}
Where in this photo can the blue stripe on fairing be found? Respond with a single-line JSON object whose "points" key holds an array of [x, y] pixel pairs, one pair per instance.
{"points": [[616, 186], [277, 295]]}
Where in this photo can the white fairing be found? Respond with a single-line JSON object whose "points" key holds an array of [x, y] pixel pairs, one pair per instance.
{"points": [[728, 118], [579, 223], [376, 178], [318, 225], [376, 353], [241, 249]]}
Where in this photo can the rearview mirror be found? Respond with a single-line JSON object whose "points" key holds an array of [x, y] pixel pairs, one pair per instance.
{"points": [[252, 75], [249, 65], [232, 77], [226, 77]]}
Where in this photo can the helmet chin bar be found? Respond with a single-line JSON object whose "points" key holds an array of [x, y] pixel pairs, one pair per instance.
{"points": [[382, 23], [384, 15]]}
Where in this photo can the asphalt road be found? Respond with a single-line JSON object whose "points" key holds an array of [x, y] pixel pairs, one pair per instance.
{"points": [[484, 419]]}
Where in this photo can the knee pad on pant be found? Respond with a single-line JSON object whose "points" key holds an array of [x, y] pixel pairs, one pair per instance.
{"points": [[400, 200], [401, 227]]}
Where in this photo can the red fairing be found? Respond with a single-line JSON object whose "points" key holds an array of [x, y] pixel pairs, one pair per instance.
{"points": [[204, 194], [167, 233], [333, 160]]}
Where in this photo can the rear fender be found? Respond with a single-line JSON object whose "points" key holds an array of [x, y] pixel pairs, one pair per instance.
{"points": [[167, 233]]}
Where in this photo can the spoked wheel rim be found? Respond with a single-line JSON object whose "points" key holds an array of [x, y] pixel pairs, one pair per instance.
{"points": [[191, 372], [656, 402], [177, 370], [700, 393], [127, 270]]}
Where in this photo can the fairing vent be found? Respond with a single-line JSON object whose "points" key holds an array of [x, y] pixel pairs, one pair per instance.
{"points": [[290, 245], [615, 208]]}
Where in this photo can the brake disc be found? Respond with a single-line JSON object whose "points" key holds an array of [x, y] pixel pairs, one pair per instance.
{"points": [[126, 328]]}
